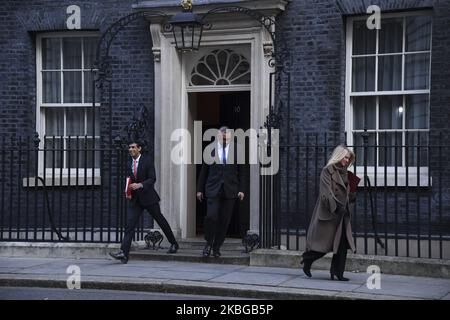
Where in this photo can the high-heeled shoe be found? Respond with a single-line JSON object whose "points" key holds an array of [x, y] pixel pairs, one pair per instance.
{"points": [[339, 277], [307, 268]]}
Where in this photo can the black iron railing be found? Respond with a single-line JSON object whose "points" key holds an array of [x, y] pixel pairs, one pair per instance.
{"points": [[55, 191], [403, 199]]}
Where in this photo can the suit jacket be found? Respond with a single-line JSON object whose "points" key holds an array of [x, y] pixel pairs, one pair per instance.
{"points": [[333, 208], [147, 176], [231, 175]]}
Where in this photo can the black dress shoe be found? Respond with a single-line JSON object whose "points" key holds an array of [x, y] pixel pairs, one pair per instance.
{"points": [[216, 253], [307, 268], [119, 256], [340, 278], [173, 248], [207, 251]]}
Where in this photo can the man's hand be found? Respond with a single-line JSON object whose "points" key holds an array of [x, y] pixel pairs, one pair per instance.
{"points": [[241, 196], [200, 196], [135, 186]]}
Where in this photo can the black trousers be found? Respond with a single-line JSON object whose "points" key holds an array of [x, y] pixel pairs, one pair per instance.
{"points": [[134, 213], [218, 216], [338, 261]]}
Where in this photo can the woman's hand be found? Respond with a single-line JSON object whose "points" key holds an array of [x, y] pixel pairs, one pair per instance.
{"points": [[352, 196]]}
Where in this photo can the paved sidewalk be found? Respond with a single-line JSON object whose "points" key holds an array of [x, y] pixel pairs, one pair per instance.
{"points": [[215, 279]]}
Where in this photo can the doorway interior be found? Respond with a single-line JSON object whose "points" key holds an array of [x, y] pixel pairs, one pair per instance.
{"points": [[216, 109]]}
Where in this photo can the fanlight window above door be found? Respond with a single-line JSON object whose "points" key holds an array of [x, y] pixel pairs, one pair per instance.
{"points": [[221, 67]]}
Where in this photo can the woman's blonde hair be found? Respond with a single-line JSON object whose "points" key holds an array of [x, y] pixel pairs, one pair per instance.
{"points": [[339, 153]]}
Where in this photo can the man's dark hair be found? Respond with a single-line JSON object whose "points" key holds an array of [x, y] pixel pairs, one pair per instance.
{"points": [[138, 143]]}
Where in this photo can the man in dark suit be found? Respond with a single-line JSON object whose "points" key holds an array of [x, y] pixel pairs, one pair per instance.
{"points": [[221, 182], [141, 171]]}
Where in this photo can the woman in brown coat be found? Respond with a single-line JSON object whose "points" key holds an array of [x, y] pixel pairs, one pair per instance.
{"points": [[330, 229]]}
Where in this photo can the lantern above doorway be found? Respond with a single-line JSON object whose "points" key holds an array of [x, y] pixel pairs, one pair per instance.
{"points": [[187, 28]]}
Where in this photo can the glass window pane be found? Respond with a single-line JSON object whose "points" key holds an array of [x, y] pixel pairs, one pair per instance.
{"points": [[72, 53], [78, 156], [203, 70], [54, 121], [242, 74], [417, 149], [360, 149], [88, 78], [75, 121], [389, 73], [222, 57], [418, 33], [417, 111], [201, 81], [363, 74], [51, 87], [364, 39], [78, 147], [391, 112], [72, 87], [417, 71], [390, 148], [91, 154], [233, 61], [89, 121], [364, 113], [391, 35], [211, 60], [90, 49], [51, 53], [53, 154], [195, 36]]}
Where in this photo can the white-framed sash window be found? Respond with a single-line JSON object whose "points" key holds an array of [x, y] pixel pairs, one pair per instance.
{"points": [[388, 91], [65, 117]]}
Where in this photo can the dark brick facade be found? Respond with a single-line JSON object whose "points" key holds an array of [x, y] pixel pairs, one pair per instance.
{"points": [[131, 52], [315, 32]]}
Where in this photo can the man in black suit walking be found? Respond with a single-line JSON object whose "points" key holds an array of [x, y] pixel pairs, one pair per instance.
{"points": [[221, 182], [141, 171]]}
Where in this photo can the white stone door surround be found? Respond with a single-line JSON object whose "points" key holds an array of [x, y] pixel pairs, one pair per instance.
{"points": [[171, 70]]}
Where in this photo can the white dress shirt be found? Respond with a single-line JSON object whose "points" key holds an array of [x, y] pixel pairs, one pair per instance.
{"points": [[137, 165], [220, 148]]}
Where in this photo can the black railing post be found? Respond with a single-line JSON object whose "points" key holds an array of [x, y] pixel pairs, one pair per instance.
{"points": [[365, 136], [407, 190], [44, 167], [440, 166], [36, 142], [76, 184], [27, 207], [11, 193], [418, 194], [3, 186], [19, 187], [69, 176], [85, 187], [396, 190], [386, 189]]}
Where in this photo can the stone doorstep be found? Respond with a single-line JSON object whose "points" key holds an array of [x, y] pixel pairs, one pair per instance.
{"points": [[192, 255], [419, 267]]}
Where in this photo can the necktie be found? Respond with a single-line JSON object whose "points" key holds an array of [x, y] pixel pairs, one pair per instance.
{"points": [[224, 156], [135, 168]]}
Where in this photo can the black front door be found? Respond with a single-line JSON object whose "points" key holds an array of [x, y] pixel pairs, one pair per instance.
{"points": [[231, 110]]}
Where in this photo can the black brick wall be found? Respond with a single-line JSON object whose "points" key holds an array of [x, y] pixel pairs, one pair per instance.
{"points": [[314, 30], [131, 52]]}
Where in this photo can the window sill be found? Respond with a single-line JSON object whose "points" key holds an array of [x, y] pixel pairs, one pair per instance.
{"points": [[64, 181], [399, 179]]}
